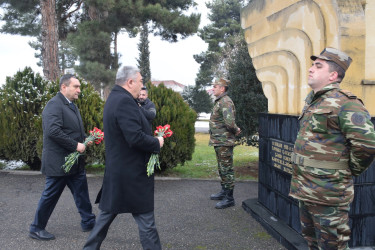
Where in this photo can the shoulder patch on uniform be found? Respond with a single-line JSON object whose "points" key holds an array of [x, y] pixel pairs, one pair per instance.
{"points": [[358, 119]]}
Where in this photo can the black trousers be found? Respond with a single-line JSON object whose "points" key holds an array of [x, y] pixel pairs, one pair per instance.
{"points": [[53, 189], [147, 231]]}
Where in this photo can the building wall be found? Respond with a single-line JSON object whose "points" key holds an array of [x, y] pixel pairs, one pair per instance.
{"points": [[282, 35]]}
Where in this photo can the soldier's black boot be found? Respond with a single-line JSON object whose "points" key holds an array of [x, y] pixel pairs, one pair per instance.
{"points": [[228, 201], [218, 196]]}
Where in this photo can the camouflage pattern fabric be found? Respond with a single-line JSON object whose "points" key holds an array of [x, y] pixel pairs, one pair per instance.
{"points": [[325, 227], [334, 127], [224, 156], [222, 122]]}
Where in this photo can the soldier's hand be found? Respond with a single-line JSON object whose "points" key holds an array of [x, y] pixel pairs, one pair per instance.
{"points": [[81, 147], [161, 141]]}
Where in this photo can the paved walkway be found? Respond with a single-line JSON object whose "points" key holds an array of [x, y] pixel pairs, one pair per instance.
{"points": [[185, 217]]}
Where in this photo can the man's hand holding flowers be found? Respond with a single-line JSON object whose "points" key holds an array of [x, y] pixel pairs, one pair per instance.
{"points": [[96, 135], [161, 133]]}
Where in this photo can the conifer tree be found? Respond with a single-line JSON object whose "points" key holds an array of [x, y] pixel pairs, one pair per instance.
{"points": [[225, 25], [171, 109], [144, 55]]}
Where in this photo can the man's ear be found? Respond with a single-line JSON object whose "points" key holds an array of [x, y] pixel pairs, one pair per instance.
{"points": [[333, 76], [130, 82], [63, 87]]}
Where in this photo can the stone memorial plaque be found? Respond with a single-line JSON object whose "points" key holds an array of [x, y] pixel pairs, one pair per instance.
{"points": [[280, 155]]}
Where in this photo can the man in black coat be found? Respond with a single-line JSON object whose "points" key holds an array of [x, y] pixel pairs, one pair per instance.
{"points": [[63, 133], [128, 146]]}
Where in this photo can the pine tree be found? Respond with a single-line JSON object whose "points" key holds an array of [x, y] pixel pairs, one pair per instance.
{"points": [[225, 25], [144, 55], [106, 18], [48, 21], [92, 43], [171, 109]]}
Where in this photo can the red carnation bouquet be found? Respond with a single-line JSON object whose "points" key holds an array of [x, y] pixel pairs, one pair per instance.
{"points": [[96, 136], [154, 159]]}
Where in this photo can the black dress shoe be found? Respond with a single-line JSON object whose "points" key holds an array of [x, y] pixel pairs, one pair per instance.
{"points": [[42, 235], [88, 229]]}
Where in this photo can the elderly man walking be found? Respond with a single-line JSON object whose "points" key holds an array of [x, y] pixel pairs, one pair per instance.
{"points": [[128, 146]]}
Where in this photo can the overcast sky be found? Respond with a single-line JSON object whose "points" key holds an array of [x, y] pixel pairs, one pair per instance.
{"points": [[168, 61]]}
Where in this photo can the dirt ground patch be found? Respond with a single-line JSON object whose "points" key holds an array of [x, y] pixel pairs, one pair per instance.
{"points": [[248, 170]]}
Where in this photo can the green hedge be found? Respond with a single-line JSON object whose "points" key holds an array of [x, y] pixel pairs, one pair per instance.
{"points": [[171, 109]]}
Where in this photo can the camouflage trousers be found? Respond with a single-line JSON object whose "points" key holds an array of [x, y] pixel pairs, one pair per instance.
{"points": [[325, 227], [224, 156]]}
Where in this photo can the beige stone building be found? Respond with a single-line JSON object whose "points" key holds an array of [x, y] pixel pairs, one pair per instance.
{"points": [[283, 34]]}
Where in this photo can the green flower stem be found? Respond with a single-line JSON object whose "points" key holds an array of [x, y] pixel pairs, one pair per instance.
{"points": [[72, 158], [154, 161]]}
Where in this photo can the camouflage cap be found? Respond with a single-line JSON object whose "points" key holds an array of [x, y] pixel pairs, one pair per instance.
{"points": [[334, 55], [222, 82]]}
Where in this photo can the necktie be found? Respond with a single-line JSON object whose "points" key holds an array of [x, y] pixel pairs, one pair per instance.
{"points": [[72, 106]]}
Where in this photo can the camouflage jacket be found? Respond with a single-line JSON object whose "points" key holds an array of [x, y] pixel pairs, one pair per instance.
{"points": [[222, 122], [334, 127]]}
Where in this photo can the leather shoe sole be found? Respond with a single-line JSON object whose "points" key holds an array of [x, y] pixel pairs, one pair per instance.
{"points": [[42, 235]]}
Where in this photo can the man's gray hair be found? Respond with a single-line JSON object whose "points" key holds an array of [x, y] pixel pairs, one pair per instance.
{"points": [[126, 73]]}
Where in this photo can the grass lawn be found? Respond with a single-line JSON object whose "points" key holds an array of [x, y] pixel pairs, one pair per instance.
{"points": [[204, 164]]}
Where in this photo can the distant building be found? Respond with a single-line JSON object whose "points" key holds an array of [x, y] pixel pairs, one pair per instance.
{"points": [[175, 86]]}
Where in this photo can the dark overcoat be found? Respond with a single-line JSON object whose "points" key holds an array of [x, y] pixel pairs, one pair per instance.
{"points": [[128, 146], [62, 130]]}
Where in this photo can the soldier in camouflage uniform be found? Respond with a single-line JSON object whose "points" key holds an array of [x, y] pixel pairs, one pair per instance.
{"points": [[336, 141], [223, 129]]}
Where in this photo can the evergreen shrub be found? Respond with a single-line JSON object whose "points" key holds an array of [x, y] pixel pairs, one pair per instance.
{"points": [[171, 109], [22, 100]]}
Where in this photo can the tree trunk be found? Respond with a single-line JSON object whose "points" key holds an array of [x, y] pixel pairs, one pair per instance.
{"points": [[50, 40]]}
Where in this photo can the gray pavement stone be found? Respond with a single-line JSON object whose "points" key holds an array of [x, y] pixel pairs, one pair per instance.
{"points": [[185, 217]]}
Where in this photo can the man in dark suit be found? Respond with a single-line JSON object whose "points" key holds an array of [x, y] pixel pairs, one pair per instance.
{"points": [[63, 133], [128, 146]]}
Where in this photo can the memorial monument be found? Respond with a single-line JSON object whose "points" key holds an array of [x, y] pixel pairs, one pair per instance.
{"points": [[281, 37]]}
